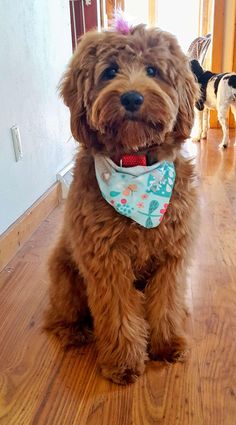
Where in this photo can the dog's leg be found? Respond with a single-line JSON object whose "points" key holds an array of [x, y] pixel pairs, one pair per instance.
{"points": [[199, 116], [118, 313], [205, 124], [223, 119], [68, 316], [166, 311]]}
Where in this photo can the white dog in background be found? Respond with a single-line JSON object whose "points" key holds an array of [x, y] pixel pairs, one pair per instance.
{"points": [[218, 92]]}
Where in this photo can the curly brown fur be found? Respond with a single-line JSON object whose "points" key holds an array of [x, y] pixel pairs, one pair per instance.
{"points": [[101, 254]]}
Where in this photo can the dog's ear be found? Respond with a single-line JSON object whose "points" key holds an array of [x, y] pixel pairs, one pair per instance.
{"points": [[71, 84], [196, 68], [74, 85], [188, 94]]}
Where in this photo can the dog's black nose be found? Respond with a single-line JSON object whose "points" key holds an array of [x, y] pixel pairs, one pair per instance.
{"points": [[131, 100]]}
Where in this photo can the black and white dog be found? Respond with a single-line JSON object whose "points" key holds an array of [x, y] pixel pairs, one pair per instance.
{"points": [[218, 91]]}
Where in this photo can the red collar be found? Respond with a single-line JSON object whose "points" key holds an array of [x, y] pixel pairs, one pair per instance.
{"points": [[131, 160], [144, 158]]}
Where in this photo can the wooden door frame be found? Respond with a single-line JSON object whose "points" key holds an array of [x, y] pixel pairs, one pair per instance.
{"points": [[215, 10], [152, 12], [231, 118], [109, 6], [84, 16]]}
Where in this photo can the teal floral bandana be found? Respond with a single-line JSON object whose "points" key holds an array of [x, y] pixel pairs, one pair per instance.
{"points": [[141, 193]]}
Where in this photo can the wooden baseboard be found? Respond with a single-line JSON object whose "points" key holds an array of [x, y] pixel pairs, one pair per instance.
{"points": [[18, 233]]}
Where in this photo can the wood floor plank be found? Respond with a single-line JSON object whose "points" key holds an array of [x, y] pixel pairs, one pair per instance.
{"points": [[215, 330], [42, 385], [27, 359]]}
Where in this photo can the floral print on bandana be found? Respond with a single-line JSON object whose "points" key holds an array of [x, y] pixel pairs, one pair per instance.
{"points": [[141, 193]]}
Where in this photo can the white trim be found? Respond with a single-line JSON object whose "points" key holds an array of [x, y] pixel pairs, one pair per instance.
{"points": [[74, 22], [98, 16], [83, 17], [64, 182]]}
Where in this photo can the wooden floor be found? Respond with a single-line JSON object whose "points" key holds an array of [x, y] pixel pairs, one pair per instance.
{"points": [[39, 384]]}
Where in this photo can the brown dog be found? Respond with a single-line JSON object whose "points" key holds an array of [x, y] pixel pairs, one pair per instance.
{"points": [[103, 258]]}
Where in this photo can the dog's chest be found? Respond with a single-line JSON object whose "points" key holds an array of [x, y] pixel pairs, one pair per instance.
{"points": [[147, 247], [144, 249]]}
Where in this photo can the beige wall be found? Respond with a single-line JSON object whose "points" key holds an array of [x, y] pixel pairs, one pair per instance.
{"points": [[228, 35]]}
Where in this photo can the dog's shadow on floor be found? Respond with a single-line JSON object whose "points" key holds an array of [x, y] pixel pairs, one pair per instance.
{"points": [[85, 378], [97, 397]]}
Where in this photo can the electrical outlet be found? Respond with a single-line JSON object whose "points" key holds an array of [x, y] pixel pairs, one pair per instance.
{"points": [[17, 142]]}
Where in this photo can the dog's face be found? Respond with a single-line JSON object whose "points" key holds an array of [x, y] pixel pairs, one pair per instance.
{"points": [[129, 92]]}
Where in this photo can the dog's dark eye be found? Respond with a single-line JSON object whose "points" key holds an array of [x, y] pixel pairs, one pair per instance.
{"points": [[151, 71], [109, 73]]}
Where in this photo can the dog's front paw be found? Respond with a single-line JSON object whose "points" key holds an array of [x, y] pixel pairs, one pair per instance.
{"points": [[123, 374], [175, 350]]}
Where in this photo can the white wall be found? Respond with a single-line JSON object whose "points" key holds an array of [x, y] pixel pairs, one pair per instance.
{"points": [[137, 11], [180, 18], [35, 46], [228, 36]]}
